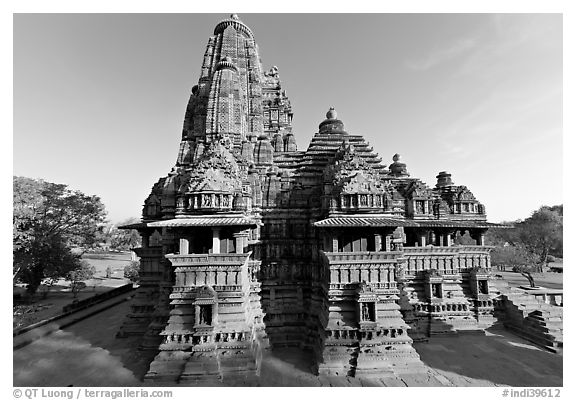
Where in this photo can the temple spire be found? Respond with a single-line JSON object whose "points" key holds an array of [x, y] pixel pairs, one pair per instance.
{"points": [[227, 102], [235, 100]]}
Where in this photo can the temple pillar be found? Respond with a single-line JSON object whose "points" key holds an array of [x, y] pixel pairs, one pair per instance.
{"points": [[480, 239], [239, 243], [478, 236], [335, 243], [215, 240], [448, 240], [246, 238], [422, 237], [388, 243], [145, 239], [377, 242], [184, 246]]}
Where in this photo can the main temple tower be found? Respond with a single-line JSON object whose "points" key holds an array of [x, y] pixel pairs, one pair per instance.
{"points": [[199, 301]]}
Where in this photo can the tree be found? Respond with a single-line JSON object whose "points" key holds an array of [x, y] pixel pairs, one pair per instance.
{"points": [[120, 239], [518, 258], [528, 245], [26, 199], [132, 271], [541, 233], [50, 224], [44, 259], [126, 239], [502, 236], [77, 277]]}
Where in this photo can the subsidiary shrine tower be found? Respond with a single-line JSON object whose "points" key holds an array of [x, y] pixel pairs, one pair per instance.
{"points": [[250, 244]]}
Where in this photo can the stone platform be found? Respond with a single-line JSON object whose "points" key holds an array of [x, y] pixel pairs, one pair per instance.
{"points": [[88, 354]]}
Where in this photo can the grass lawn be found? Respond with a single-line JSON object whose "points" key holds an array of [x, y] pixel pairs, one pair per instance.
{"points": [[551, 280], [115, 260]]}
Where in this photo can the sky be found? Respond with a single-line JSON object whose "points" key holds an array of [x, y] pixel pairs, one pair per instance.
{"points": [[99, 99]]}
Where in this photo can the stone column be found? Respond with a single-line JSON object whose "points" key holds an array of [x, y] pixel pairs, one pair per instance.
{"points": [[480, 238], [216, 240], [388, 244], [239, 243], [145, 239], [444, 238], [246, 238], [335, 243], [423, 238], [334, 276], [377, 242], [184, 246]]}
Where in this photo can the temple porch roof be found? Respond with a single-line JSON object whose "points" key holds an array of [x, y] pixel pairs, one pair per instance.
{"points": [[211, 220], [363, 221], [385, 221]]}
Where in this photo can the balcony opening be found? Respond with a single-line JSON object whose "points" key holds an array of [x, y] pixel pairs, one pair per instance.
{"points": [[437, 290], [368, 312], [205, 315], [371, 243], [352, 242], [483, 286], [200, 241], [227, 242]]}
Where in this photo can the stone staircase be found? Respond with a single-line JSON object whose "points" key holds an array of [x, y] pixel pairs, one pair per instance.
{"points": [[529, 317]]}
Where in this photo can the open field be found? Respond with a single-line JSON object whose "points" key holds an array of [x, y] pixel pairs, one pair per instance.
{"points": [[551, 280], [115, 260]]}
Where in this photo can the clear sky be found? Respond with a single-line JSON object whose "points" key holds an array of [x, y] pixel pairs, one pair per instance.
{"points": [[99, 99]]}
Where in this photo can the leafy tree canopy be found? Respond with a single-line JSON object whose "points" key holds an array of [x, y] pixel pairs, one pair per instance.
{"points": [[120, 239], [49, 222], [542, 232], [527, 247], [132, 271], [76, 277], [518, 257]]}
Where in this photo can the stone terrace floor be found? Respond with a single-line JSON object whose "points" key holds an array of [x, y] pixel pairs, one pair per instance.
{"points": [[88, 354]]}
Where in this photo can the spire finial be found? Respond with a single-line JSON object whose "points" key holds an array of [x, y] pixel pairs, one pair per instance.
{"points": [[398, 168], [331, 114]]}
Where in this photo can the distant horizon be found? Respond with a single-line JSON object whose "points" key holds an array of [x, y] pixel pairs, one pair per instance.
{"points": [[477, 95]]}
